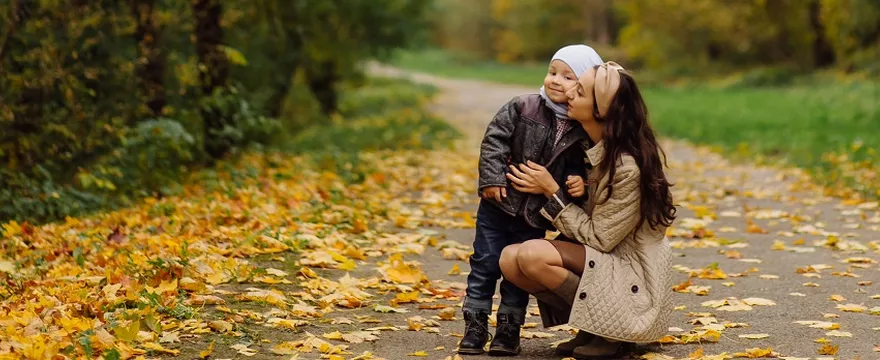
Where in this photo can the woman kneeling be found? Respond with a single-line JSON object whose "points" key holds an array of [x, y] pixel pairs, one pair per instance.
{"points": [[609, 274]]}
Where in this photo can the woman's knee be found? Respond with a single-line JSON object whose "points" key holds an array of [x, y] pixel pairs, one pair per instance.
{"points": [[534, 256], [508, 259]]}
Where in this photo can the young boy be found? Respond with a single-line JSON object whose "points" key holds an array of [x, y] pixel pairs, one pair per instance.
{"points": [[533, 127]]}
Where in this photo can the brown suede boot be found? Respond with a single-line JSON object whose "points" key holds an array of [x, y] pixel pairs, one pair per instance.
{"points": [[567, 348], [568, 289], [552, 299], [601, 349]]}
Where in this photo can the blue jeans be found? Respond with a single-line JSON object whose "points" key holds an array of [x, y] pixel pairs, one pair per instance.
{"points": [[495, 230]]}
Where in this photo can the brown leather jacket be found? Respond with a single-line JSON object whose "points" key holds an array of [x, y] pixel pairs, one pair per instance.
{"points": [[524, 129]]}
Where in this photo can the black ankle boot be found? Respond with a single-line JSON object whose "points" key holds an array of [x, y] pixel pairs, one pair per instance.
{"points": [[506, 341], [476, 332]]}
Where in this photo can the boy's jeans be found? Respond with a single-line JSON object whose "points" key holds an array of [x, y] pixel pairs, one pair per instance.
{"points": [[495, 230]]}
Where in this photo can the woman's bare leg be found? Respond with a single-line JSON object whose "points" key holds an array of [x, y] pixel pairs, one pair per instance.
{"points": [[511, 270], [540, 262]]}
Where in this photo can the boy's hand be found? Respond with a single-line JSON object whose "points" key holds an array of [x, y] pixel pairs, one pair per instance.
{"points": [[495, 192], [575, 186]]}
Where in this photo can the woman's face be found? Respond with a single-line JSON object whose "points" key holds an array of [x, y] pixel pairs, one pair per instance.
{"points": [[560, 78], [580, 97]]}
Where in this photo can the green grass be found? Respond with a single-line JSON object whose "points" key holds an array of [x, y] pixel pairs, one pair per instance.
{"points": [[384, 114], [795, 124]]}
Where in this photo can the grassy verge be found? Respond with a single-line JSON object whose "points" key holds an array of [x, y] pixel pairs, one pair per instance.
{"points": [[831, 128], [385, 114]]}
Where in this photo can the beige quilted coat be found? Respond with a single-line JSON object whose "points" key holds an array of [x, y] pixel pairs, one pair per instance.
{"points": [[625, 292]]}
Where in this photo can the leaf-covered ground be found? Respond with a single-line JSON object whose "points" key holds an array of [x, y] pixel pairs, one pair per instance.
{"points": [[275, 259]]}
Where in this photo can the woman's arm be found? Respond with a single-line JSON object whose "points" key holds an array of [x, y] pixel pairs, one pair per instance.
{"points": [[612, 220]]}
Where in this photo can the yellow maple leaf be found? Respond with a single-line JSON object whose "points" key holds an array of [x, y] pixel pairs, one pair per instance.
{"points": [[405, 298], [400, 272], [164, 287], [852, 308], [160, 349], [204, 354], [456, 270], [308, 272], [828, 349], [336, 335], [128, 332], [420, 353], [755, 353]]}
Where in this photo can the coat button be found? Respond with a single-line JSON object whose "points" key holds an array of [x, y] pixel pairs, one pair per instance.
{"points": [[635, 289], [582, 296], [592, 264]]}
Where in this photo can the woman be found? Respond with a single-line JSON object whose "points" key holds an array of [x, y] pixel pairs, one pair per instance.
{"points": [[610, 277]]}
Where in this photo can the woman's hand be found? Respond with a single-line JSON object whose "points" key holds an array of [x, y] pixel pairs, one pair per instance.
{"points": [[532, 178]]}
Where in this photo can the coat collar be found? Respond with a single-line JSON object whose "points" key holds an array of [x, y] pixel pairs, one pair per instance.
{"points": [[596, 153]]}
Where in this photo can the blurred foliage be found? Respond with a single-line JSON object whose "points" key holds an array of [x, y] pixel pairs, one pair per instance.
{"points": [[104, 101], [384, 115], [681, 37]]}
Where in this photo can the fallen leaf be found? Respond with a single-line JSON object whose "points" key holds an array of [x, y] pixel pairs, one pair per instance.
{"points": [[169, 337], [759, 302], [417, 353], [838, 333], [755, 353], [447, 314], [828, 349], [388, 309], [204, 354], [852, 308], [158, 348], [204, 300], [276, 272], [826, 325], [534, 335], [405, 298], [456, 270], [837, 297], [357, 337], [220, 326], [244, 350], [754, 336]]}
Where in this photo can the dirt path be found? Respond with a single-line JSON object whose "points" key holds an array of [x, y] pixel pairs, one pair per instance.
{"points": [[772, 234], [756, 249]]}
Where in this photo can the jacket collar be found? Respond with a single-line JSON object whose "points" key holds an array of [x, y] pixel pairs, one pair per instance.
{"points": [[596, 153]]}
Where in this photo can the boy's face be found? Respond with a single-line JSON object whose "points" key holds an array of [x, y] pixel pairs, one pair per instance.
{"points": [[560, 78]]}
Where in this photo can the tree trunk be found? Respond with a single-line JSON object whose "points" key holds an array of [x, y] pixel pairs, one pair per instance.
{"points": [[322, 78], [215, 67], [823, 53], [151, 64], [14, 18]]}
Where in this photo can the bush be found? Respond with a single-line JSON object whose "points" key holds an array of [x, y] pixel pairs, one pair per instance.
{"points": [[156, 154], [386, 114], [241, 124]]}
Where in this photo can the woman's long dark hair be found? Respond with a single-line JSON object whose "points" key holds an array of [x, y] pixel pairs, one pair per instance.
{"points": [[627, 131]]}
